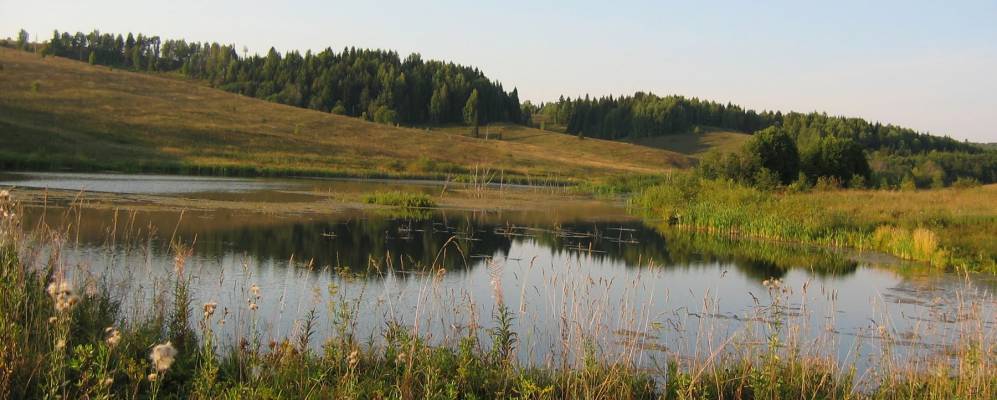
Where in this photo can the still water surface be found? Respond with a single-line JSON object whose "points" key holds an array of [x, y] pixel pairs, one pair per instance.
{"points": [[566, 272]]}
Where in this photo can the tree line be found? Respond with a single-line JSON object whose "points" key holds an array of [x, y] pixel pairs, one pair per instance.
{"points": [[376, 85], [645, 114]]}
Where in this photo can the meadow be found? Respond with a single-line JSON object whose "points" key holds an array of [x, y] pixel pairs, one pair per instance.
{"points": [[59, 114]]}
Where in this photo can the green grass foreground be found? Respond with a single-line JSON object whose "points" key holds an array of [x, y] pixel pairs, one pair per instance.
{"points": [[951, 228], [58, 341]]}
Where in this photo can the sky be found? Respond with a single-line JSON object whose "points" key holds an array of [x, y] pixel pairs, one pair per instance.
{"points": [[928, 65]]}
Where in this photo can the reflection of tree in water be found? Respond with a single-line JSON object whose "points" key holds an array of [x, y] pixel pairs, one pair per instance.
{"points": [[758, 259], [414, 243], [358, 243]]}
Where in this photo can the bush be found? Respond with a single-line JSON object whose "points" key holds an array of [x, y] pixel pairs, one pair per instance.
{"points": [[965, 183], [827, 183], [766, 180]]}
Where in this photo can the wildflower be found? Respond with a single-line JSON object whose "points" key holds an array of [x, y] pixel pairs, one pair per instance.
{"points": [[162, 356], [255, 290], [113, 336], [253, 306], [153, 377], [209, 309], [60, 344], [108, 381]]}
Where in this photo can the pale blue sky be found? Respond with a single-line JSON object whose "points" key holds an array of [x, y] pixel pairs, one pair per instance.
{"points": [[929, 65]]}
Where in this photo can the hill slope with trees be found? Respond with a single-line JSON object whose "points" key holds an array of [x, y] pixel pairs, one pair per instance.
{"points": [[60, 114]]}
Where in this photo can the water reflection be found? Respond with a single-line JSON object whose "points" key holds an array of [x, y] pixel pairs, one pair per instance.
{"points": [[361, 240]]}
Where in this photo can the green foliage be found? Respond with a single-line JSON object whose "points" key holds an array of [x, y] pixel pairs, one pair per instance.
{"points": [[619, 185], [22, 40], [776, 152], [841, 158], [645, 114], [471, 109], [400, 199], [766, 180], [935, 168]]}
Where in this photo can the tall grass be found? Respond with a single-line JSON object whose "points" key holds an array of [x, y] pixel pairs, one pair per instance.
{"points": [[66, 336], [914, 226]]}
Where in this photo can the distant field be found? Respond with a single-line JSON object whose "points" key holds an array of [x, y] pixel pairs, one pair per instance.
{"points": [[61, 114], [696, 144]]}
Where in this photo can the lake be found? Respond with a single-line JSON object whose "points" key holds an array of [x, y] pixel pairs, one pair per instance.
{"points": [[569, 267]]}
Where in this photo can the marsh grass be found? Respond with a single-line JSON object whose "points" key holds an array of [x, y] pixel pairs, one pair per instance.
{"points": [[400, 199], [170, 347], [950, 228]]}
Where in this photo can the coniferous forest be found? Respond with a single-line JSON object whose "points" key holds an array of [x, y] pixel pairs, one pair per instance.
{"points": [[377, 85]]}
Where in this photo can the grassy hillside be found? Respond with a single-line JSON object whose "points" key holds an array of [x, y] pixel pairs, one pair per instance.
{"points": [[696, 144], [61, 114]]}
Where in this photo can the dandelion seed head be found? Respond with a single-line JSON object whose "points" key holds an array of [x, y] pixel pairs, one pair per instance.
{"points": [[62, 295], [162, 356]]}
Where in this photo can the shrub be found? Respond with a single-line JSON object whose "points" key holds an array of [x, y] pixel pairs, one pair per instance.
{"points": [[766, 180], [965, 183]]}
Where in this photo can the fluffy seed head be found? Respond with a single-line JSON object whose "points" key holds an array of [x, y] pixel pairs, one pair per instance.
{"points": [[162, 356]]}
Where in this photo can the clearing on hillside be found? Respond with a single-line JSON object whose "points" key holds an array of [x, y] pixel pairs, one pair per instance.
{"points": [[696, 144]]}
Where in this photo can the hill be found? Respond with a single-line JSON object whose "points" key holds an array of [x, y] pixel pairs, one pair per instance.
{"points": [[57, 113]]}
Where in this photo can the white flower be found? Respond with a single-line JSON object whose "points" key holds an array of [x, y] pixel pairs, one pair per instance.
{"points": [[162, 356]]}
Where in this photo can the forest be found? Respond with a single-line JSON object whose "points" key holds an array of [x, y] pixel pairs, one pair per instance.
{"points": [[645, 114], [376, 85]]}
